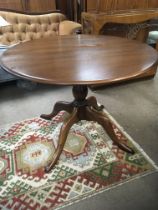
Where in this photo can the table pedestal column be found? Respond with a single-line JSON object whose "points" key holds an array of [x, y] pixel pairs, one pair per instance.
{"points": [[81, 108]]}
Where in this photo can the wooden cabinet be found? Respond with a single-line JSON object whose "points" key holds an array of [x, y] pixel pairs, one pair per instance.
{"points": [[109, 5], [91, 5], [11, 4], [38, 5], [29, 5]]}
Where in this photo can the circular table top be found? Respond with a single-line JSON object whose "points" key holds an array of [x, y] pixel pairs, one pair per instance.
{"points": [[79, 59]]}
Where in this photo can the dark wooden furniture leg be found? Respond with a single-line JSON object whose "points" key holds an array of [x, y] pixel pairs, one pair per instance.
{"points": [[62, 138], [81, 109], [59, 106], [100, 117]]}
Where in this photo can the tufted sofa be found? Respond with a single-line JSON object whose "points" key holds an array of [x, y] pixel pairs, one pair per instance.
{"points": [[25, 27]]}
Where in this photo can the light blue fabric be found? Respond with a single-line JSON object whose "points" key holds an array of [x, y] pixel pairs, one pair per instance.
{"points": [[5, 76], [153, 35]]}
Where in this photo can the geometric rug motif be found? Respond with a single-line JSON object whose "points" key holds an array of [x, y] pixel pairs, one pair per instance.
{"points": [[89, 163]]}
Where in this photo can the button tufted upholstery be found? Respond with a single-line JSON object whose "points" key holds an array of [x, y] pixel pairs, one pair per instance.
{"points": [[26, 27]]}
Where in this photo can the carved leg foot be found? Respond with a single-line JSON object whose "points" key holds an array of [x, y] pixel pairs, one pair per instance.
{"points": [[62, 138], [107, 125], [59, 106], [92, 102]]}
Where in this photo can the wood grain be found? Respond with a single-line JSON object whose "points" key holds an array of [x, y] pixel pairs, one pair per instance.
{"points": [[82, 59], [111, 5]]}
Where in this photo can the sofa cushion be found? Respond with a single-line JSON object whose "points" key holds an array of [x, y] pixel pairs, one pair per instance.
{"points": [[26, 27]]}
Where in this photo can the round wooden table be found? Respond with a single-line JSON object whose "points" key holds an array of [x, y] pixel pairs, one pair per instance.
{"points": [[79, 60]]}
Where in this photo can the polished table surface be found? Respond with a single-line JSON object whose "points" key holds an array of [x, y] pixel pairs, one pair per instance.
{"points": [[79, 61], [82, 59]]}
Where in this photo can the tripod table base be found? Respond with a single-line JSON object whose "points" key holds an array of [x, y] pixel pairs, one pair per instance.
{"points": [[81, 109]]}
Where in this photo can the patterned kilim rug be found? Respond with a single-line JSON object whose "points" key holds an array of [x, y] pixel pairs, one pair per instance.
{"points": [[89, 164]]}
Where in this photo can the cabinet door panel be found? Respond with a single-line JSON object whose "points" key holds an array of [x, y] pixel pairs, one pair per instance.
{"points": [[11, 4], [109, 5], [39, 5], [91, 5]]}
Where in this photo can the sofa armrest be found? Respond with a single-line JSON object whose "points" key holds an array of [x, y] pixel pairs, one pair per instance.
{"points": [[67, 27]]}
